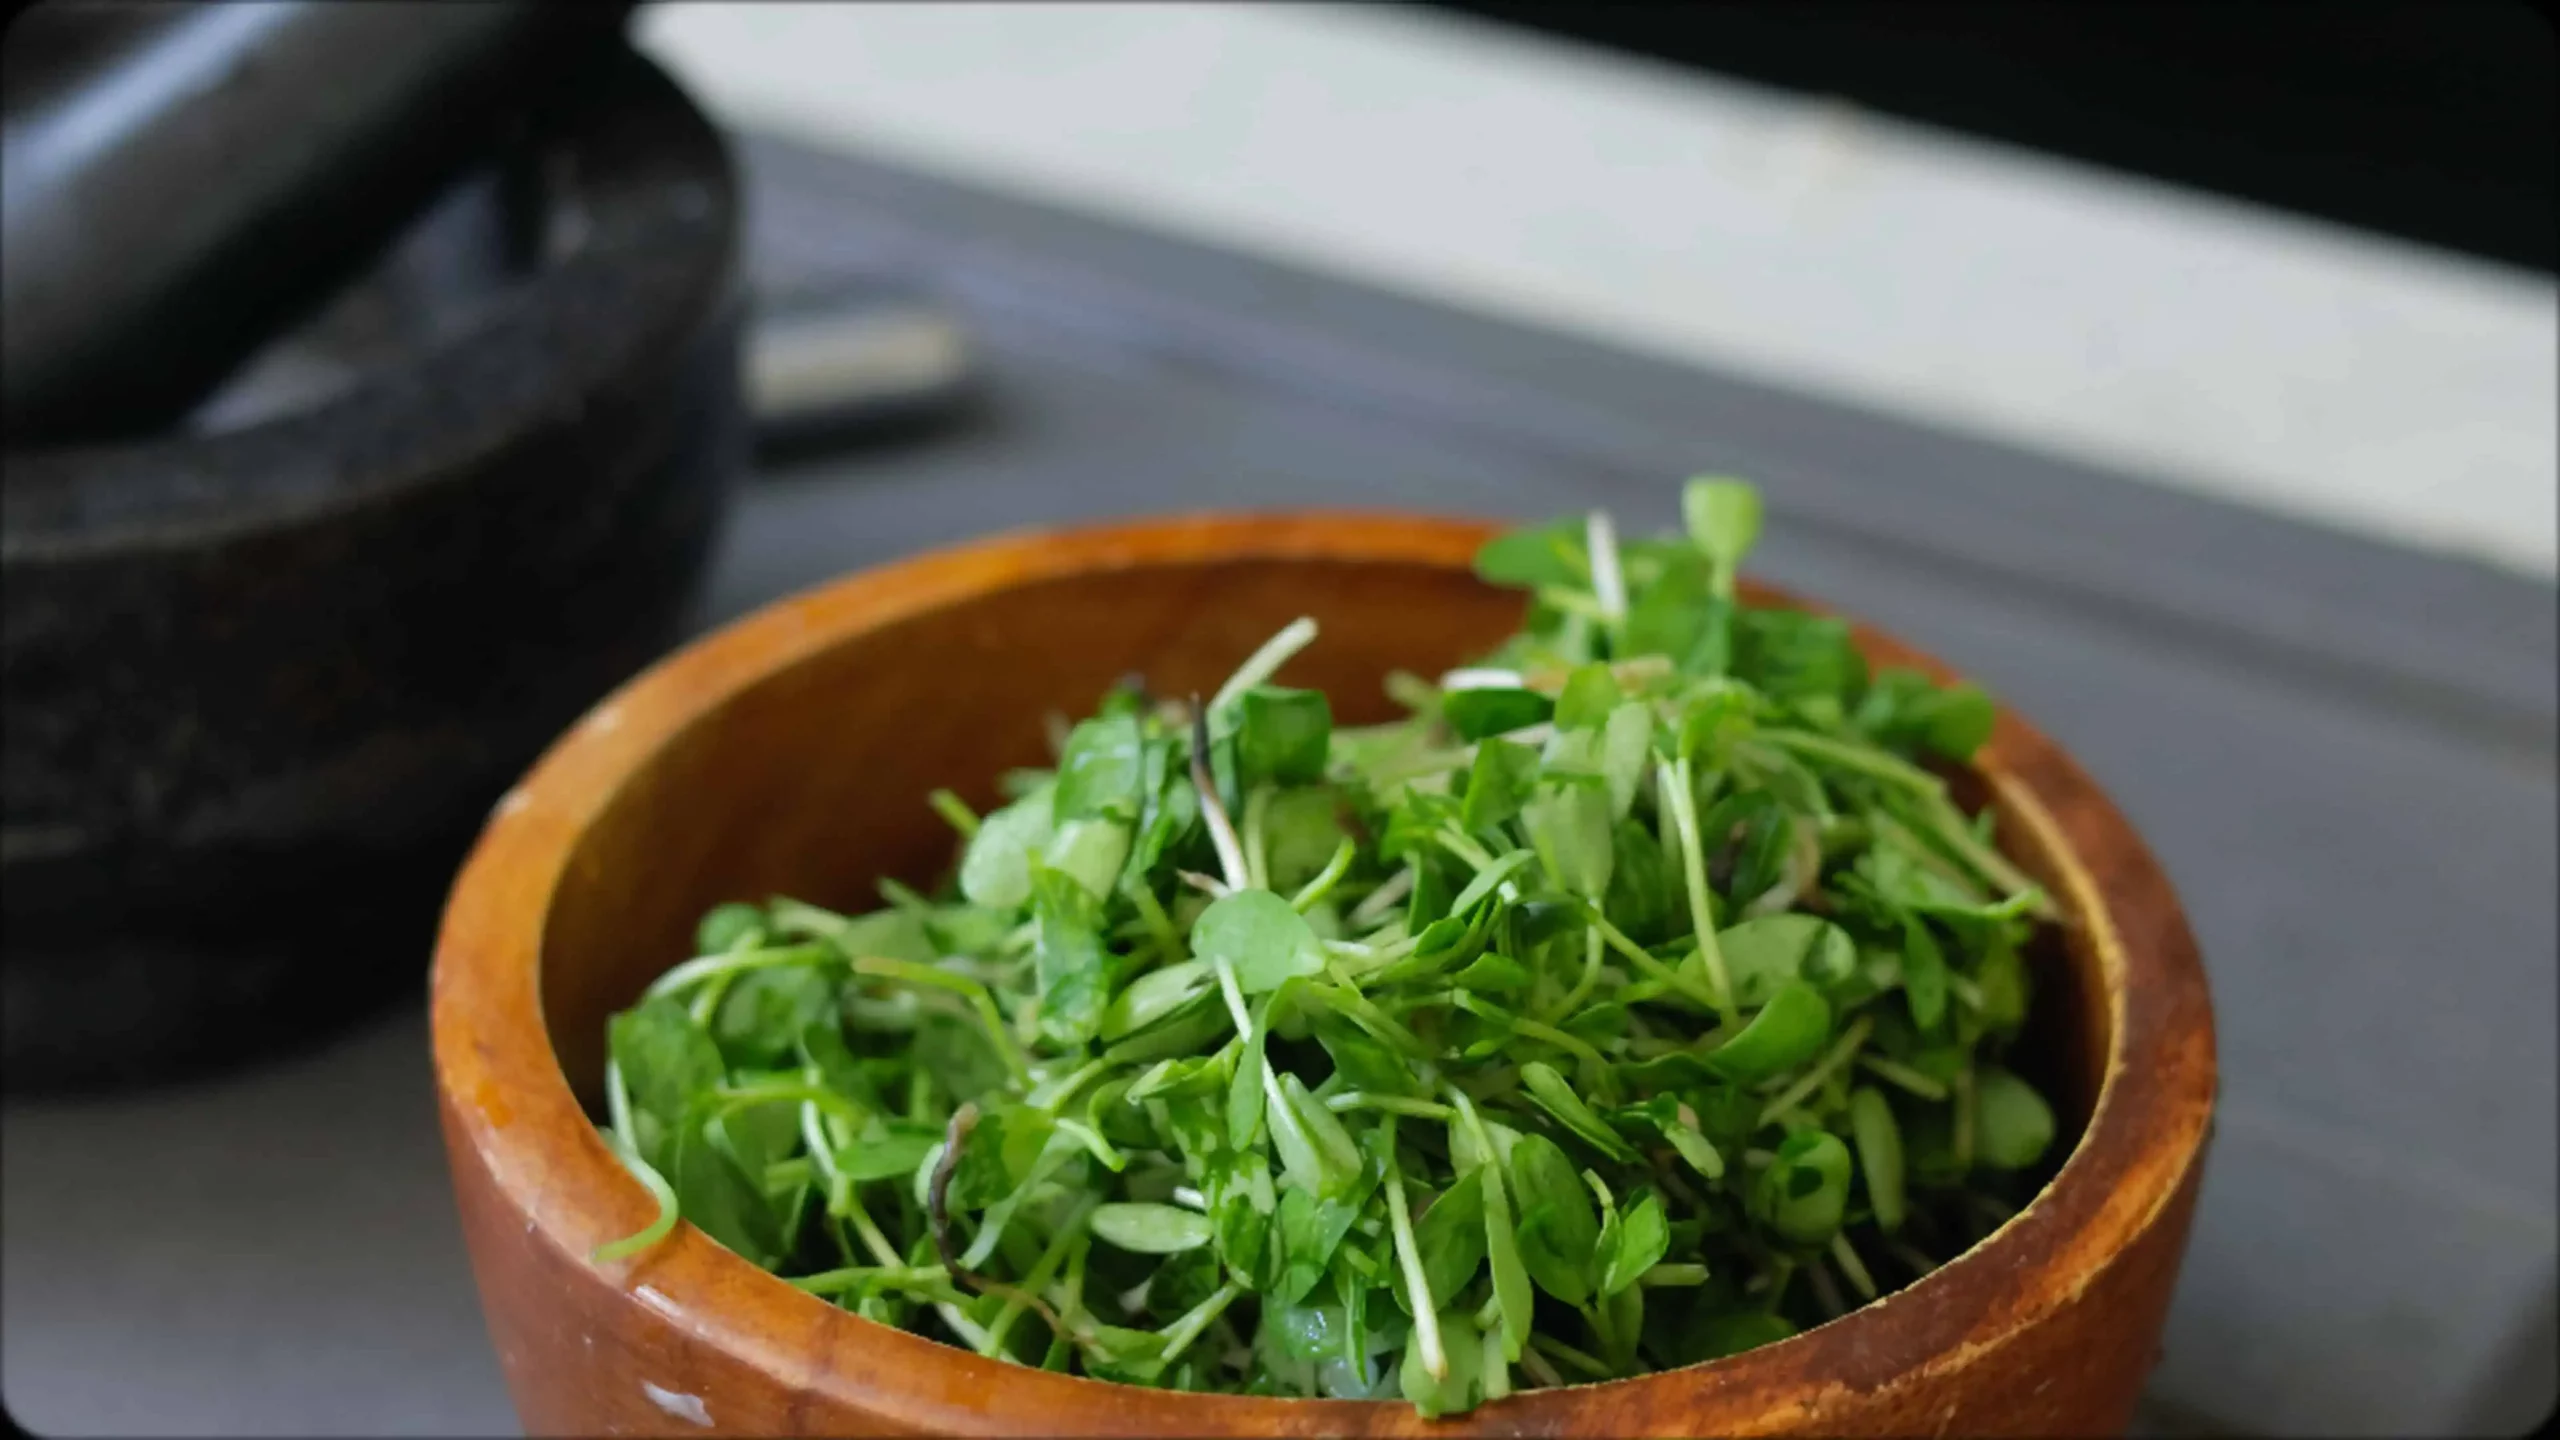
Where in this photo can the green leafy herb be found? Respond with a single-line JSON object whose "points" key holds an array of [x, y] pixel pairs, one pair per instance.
{"points": [[1541, 1036]]}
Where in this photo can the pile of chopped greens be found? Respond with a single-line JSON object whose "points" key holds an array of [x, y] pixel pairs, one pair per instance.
{"points": [[1637, 1000]]}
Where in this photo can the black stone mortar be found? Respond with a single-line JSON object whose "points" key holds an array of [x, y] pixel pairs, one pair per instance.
{"points": [[264, 680]]}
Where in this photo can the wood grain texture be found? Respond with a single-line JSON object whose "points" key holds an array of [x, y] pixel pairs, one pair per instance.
{"points": [[789, 753]]}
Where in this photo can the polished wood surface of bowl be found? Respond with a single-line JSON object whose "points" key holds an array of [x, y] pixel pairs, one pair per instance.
{"points": [[790, 753]]}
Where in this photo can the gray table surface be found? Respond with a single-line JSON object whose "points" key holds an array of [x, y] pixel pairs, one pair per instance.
{"points": [[2342, 753]]}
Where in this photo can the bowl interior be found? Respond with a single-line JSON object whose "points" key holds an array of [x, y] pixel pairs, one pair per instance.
{"points": [[810, 781]]}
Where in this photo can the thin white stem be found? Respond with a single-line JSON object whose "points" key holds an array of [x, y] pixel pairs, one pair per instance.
{"points": [[1673, 780], [1262, 664], [1840, 1054], [1209, 885], [1179, 1335], [1348, 1100], [704, 967], [1374, 906], [617, 1101], [1426, 1316], [1222, 834], [1331, 875], [1273, 1101], [1607, 585], [1257, 859], [1845, 1255], [822, 1150], [1903, 1075], [1234, 993]]}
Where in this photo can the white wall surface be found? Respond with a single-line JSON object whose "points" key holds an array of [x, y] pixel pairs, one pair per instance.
{"points": [[2393, 390]]}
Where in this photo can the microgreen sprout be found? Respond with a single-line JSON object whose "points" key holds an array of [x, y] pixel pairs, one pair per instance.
{"points": [[1642, 996]]}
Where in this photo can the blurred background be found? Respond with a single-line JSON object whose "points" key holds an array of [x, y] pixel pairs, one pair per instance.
{"points": [[386, 382]]}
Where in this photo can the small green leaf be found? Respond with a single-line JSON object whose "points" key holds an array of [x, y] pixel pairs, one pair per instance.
{"points": [[1257, 933], [1091, 851], [1903, 711], [1338, 1156], [1493, 974], [998, 1155], [996, 869], [1499, 782], [1154, 995], [1301, 830], [1152, 1229], [1186, 1279], [1715, 720], [1306, 1232], [760, 1017], [1879, 1143], [1791, 1029], [1462, 1385], [1362, 1061], [1723, 518], [1643, 1235], [665, 1060], [1282, 735], [2002, 978], [1669, 616], [1796, 657], [1697, 1150], [1750, 833], [1196, 1078], [2012, 1124], [722, 1200], [1449, 1238], [1244, 1229], [1590, 693], [1766, 952], [1963, 722], [1553, 1095], [1488, 879], [1194, 1023], [887, 1153], [1073, 967], [894, 934], [725, 926], [1662, 1114], [1494, 710], [1558, 1225], [1101, 771], [1244, 1094], [1626, 752], [1805, 1191], [1550, 554], [1568, 818], [1643, 895], [822, 1048]]}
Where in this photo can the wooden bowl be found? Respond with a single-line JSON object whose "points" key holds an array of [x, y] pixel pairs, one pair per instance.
{"points": [[791, 753]]}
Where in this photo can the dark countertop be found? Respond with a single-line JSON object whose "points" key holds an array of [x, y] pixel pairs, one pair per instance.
{"points": [[2343, 754]]}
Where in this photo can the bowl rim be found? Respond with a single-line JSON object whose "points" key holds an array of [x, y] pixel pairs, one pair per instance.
{"points": [[505, 1095]]}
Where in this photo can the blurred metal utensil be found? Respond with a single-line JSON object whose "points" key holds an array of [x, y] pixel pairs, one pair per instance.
{"points": [[854, 359]]}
